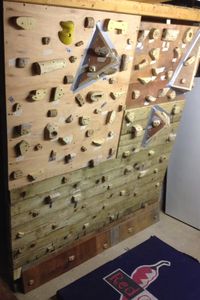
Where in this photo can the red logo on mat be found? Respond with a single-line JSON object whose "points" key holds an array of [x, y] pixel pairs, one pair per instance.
{"points": [[134, 287]]}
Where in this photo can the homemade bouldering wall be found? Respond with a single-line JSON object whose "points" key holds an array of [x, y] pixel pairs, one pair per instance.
{"points": [[92, 115]]}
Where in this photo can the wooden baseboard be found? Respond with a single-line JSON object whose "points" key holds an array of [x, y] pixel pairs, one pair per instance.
{"points": [[58, 263]]}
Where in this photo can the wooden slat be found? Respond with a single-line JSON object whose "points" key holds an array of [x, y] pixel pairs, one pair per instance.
{"points": [[129, 7]]}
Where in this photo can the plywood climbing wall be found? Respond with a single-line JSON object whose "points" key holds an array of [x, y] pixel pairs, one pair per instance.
{"points": [[57, 121]]}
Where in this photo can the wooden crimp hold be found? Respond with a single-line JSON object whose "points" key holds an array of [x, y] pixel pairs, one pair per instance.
{"points": [[51, 198], [128, 170], [48, 66], [89, 22], [169, 74], [137, 130], [111, 116], [69, 119], [189, 61], [111, 134], [157, 71], [20, 234], [142, 65], [135, 94], [154, 54], [17, 107], [130, 117], [142, 34], [154, 34], [163, 92], [155, 171], [83, 149], [170, 35], [52, 113], [17, 174], [51, 131], [102, 51], [150, 98], [34, 175], [98, 142], [97, 111], [84, 121], [22, 147], [46, 40], [123, 193], [95, 96], [188, 36], [86, 225], [23, 129], [58, 93], [171, 137], [156, 122], [21, 62], [120, 26], [66, 36], [50, 248], [122, 107], [142, 173], [79, 44], [162, 158], [68, 79], [111, 80], [151, 153], [117, 95], [70, 157], [176, 110], [146, 80], [52, 155], [34, 213], [67, 140], [89, 132], [38, 95], [111, 152], [126, 154], [26, 23], [76, 198], [38, 147], [171, 95], [124, 63], [80, 100], [177, 52], [73, 59]]}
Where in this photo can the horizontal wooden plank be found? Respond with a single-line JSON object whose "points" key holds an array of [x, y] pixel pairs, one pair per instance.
{"points": [[128, 7]]}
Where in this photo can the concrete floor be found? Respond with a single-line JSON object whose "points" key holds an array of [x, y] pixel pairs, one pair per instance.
{"points": [[177, 234]]}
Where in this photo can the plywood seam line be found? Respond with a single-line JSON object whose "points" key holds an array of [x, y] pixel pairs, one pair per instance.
{"points": [[128, 7]]}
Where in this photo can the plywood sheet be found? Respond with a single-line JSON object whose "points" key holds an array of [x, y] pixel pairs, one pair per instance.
{"points": [[21, 81]]}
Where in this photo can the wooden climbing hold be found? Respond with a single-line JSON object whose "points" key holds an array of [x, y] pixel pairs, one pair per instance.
{"points": [[157, 71], [110, 117], [150, 98], [189, 61], [52, 113], [89, 132], [111, 25], [135, 94], [26, 23], [98, 142], [68, 79], [80, 100], [84, 121], [72, 59], [143, 64], [130, 117], [170, 35], [17, 174], [154, 34], [95, 96], [154, 53], [188, 35], [21, 62], [51, 131], [46, 40], [48, 66], [80, 43], [22, 147], [137, 130], [38, 94], [89, 22], [124, 62]]}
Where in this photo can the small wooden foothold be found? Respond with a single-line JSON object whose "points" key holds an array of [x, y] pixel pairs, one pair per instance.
{"points": [[46, 40], [128, 170], [124, 62], [122, 193], [98, 142], [110, 134], [116, 95], [33, 176], [97, 111], [38, 147], [22, 62], [170, 35], [130, 117], [151, 153], [171, 95], [157, 71], [72, 59], [120, 26], [67, 34], [95, 96], [66, 140], [142, 173], [34, 213], [157, 184], [156, 122], [20, 235], [16, 174], [17, 107], [177, 52], [84, 121], [150, 98], [80, 100], [89, 22], [171, 137], [68, 79], [52, 155], [51, 198], [137, 130], [188, 35], [162, 158], [110, 117], [183, 80], [155, 171], [22, 147], [189, 61], [122, 107], [154, 34], [129, 41], [51, 131], [135, 94], [70, 157], [142, 34], [69, 119], [126, 154], [31, 282], [146, 80], [86, 225], [23, 129], [154, 53], [102, 52], [83, 149], [39, 94], [48, 66], [111, 80], [92, 69], [143, 64], [80, 43], [176, 110], [71, 258], [89, 132], [58, 93], [169, 74], [52, 113], [26, 23], [93, 163], [163, 92]]}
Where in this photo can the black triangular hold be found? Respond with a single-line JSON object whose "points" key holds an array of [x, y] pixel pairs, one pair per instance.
{"points": [[158, 120], [100, 59]]}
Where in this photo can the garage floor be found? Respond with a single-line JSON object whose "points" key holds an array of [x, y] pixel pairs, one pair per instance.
{"points": [[177, 234]]}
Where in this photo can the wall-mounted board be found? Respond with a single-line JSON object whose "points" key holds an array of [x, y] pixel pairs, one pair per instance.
{"points": [[51, 129]]}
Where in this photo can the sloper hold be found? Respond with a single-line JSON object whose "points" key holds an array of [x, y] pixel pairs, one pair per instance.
{"points": [[84, 76], [158, 120], [26, 23], [67, 34]]}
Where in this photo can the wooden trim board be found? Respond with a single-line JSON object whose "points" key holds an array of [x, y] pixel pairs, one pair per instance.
{"points": [[128, 7]]}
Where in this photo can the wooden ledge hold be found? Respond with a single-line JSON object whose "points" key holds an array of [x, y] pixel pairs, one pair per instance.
{"points": [[127, 7]]}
